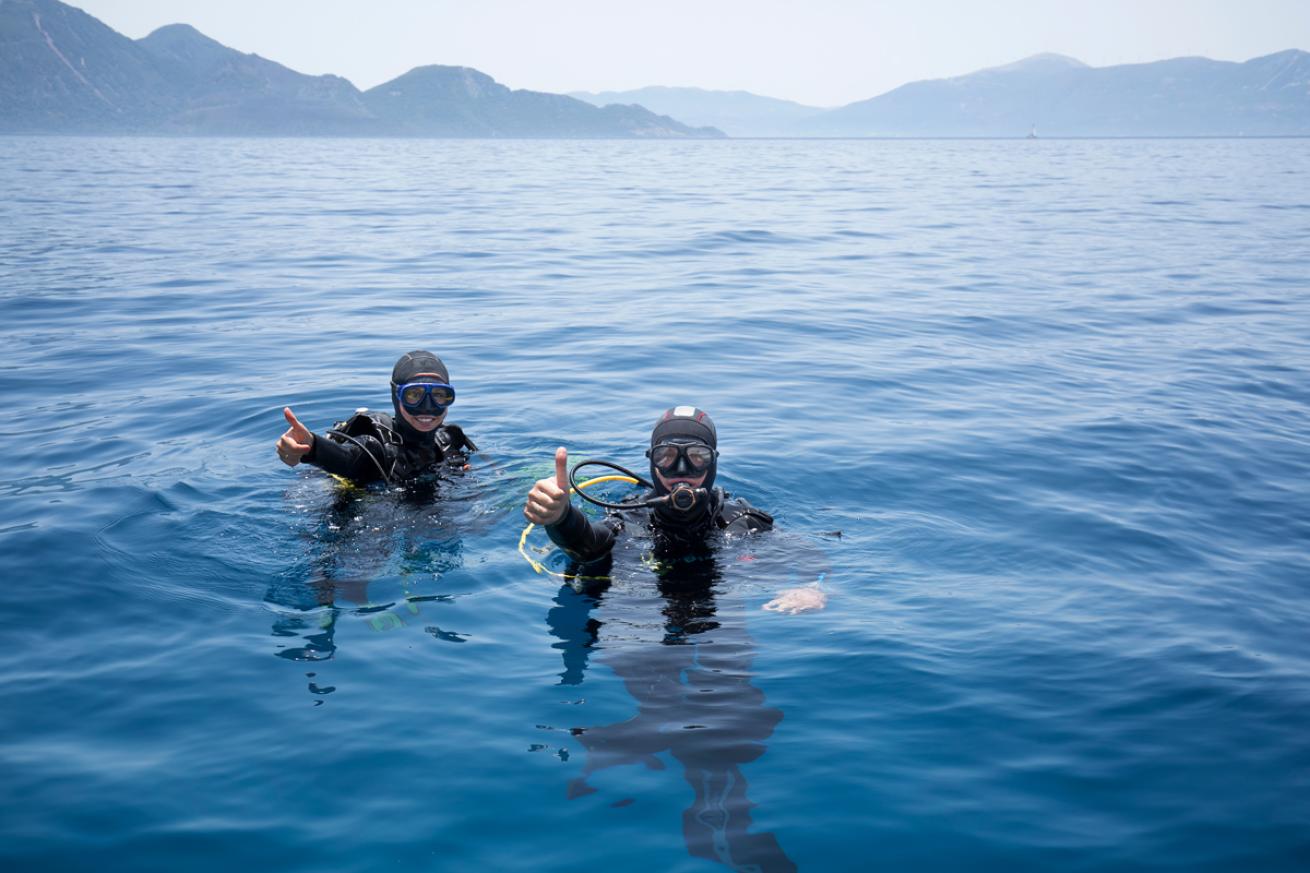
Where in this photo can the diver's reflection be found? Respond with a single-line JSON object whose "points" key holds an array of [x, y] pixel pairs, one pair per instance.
{"points": [[360, 533], [689, 671]]}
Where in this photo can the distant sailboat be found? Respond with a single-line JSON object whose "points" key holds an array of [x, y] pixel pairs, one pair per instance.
{"points": [[1032, 134]]}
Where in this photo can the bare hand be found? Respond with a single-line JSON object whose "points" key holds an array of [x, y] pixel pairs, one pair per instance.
{"points": [[549, 498], [796, 600], [296, 442]]}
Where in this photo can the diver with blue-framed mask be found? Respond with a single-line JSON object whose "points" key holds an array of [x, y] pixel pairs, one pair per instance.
{"points": [[414, 443]]}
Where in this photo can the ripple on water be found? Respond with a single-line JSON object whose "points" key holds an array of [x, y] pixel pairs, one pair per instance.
{"points": [[1035, 415]]}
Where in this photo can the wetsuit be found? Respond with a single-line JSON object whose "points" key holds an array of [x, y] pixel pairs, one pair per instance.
{"points": [[586, 541], [368, 447]]}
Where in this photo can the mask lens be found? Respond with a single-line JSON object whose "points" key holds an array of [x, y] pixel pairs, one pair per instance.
{"points": [[413, 395], [443, 397], [699, 457], [664, 457]]}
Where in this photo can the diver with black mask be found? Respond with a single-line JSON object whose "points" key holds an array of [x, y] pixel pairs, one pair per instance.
{"points": [[397, 449], [682, 508]]}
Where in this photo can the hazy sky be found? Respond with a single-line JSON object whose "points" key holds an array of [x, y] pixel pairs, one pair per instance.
{"points": [[821, 52]]}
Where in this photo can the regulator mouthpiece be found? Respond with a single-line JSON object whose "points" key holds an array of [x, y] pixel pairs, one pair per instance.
{"points": [[684, 498]]}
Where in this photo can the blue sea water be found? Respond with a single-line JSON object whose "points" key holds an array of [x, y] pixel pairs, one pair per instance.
{"points": [[1054, 395]]}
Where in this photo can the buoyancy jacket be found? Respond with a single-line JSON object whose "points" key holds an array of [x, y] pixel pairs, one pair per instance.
{"points": [[367, 447]]}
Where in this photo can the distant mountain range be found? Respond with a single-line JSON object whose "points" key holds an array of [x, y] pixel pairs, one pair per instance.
{"points": [[63, 71], [1060, 96], [1267, 96], [736, 113]]}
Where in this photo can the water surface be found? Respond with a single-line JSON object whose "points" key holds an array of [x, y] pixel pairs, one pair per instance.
{"points": [[1053, 394]]}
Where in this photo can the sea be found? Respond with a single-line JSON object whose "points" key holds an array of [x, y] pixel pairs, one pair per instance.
{"points": [[1033, 415]]}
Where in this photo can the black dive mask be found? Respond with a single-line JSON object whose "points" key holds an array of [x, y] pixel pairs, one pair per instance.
{"points": [[677, 458]]}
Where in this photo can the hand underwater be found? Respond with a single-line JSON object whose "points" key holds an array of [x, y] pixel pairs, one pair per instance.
{"points": [[796, 600]]}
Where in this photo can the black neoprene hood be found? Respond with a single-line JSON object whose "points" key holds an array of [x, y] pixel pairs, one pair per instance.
{"points": [[414, 363], [686, 422]]}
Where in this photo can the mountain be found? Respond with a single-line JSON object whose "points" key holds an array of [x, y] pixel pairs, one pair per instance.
{"points": [[1267, 96], [737, 113], [458, 101], [63, 71], [1061, 96], [220, 90]]}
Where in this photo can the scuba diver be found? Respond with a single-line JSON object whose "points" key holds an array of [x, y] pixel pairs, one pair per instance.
{"points": [[363, 535], [682, 509], [373, 446], [685, 656]]}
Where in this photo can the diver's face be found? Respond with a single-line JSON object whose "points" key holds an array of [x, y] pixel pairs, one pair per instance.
{"points": [[681, 462], [424, 423]]}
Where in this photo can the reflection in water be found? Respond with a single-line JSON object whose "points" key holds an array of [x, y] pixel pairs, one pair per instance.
{"points": [[688, 667], [362, 533]]}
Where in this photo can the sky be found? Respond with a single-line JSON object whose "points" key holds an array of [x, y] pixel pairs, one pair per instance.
{"points": [[818, 52]]}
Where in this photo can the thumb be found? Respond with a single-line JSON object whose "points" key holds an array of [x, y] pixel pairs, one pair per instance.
{"points": [[561, 468], [293, 421]]}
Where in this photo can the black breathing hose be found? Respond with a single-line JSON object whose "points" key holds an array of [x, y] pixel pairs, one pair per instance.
{"points": [[683, 497]]}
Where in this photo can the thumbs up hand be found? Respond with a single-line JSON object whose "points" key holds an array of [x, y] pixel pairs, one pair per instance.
{"points": [[296, 442], [549, 498]]}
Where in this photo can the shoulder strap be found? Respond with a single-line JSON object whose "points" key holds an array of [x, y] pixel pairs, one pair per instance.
{"points": [[452, 437], [367, 424], [742, 509]]}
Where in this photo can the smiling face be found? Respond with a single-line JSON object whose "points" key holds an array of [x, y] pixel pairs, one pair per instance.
{"points": [[424, 423]]}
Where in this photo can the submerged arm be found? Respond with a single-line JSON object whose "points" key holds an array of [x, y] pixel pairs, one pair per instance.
{"points": [[798, 598], [806, 598]]}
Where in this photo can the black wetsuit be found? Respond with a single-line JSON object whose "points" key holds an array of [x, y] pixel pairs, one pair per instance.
{"points": [[586, 541], [368, 447]]}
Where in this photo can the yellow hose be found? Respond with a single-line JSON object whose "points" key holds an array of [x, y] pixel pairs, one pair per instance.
{"points": [[523, 538]]}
